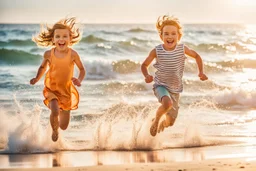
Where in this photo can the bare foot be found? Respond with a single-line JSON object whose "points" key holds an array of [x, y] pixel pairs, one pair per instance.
{"points": [[55, 135], [161, 126], [154, 126]]}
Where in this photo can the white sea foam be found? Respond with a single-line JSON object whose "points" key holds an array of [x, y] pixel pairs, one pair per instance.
{"points": [[237, 97]]}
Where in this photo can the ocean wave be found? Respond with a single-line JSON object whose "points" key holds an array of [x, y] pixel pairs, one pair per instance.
{"points": [[110, 32], [16, 42], [106, 47], [131, 46], [92, 39], [209, 67], [237, 121], [238, 63], [129, 66], [198, 84], [102, 69], [223, 66], [125, 66], [135, 39], [204, 32], [124, 88], [20, 32], [233, 47], [3, 33], [15, 32], [99, 70], [236, 98], [13, 85], [140, 30], [16, 57]]}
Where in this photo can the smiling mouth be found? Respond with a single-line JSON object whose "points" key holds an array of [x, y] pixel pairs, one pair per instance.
{"points": [[170, 42], [61, 44]]}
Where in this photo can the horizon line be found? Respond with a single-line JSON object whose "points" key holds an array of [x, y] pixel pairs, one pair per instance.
{"points": [[119, 23]]}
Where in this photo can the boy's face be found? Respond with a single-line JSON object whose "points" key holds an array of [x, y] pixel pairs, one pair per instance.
{"points": [[61, 39], [170, 37]]}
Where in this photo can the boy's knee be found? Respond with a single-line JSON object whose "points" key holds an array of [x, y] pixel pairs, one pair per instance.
{"points": [[167, 107], [166, 103], [169, 122]]}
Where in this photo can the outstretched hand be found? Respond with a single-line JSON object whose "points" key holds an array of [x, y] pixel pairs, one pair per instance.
{"points": [[76, 81], [148, 78], [33, 81], [202, 76]]}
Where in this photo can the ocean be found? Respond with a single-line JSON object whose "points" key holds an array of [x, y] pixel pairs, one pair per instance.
{"points": [[116, 105]]}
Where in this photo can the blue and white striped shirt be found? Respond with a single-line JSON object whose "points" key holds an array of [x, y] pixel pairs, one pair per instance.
{"points": [[170, 68]]}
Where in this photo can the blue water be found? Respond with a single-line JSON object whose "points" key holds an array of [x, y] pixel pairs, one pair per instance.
{"points": [[116, 104]]}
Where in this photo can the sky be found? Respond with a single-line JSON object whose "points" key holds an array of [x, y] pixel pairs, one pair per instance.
{"points": [[128, 11]]}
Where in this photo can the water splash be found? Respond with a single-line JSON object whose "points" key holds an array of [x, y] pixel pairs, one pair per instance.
{"points": [[27, 133]]}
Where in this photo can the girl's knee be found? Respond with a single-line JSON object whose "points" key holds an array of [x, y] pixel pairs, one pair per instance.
{"points": [[63, 126], [55, 111], [64, 119], [54, 107]]}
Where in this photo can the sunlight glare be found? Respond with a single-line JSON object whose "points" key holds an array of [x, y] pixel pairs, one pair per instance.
{"points": [[245, 2]]}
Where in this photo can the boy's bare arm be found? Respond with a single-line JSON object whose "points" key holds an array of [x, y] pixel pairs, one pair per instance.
{"points": [[197, 57], [147, 62]]}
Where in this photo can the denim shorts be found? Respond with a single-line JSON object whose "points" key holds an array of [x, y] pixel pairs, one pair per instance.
{"points": [[160, 92]]}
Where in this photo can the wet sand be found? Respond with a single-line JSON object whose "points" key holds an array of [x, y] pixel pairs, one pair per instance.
{"points": [[226, 158]]}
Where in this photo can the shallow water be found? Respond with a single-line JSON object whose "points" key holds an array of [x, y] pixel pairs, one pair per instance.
{"points": [[96, 158], [116, 105]]}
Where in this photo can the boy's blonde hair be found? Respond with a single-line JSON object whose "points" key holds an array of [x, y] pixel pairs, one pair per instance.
{"points": [[46, 35], [168, 20]]}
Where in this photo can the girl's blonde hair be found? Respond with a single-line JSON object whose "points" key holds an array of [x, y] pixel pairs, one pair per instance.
{"points": [[168, 20], [46, 35]]}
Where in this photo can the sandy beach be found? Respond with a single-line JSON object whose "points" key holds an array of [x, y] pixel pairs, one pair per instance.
{"points": [[225, 158], [233, 164]]}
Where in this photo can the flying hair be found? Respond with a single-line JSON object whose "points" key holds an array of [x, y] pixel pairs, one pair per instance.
{"points": [[45, 37], [168, 20]]}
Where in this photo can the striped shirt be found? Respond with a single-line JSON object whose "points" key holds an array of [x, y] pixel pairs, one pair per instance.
{"points": [[170, 68]]}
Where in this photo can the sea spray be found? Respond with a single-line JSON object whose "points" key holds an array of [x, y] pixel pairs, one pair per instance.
{"points": [[26, 133], [120, 122], [192, 137]]}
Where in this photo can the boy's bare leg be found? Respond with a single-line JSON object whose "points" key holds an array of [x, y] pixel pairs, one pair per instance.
{"points": [[165, 107], [54, 119], [170, 115], [169, 121], [64, 119]]}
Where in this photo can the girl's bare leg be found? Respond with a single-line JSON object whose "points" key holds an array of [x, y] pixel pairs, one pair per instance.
{"points": [[64, 119], [54, 118]]}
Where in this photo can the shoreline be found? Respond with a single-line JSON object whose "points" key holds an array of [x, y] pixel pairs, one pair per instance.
{"points": [[229, 164], [217, 158]]}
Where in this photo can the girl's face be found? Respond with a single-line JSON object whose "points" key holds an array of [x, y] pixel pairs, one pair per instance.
{"points": [[170, 37], [61, 39]]}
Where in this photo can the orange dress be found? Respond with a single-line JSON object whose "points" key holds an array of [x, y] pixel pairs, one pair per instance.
{"points": [[58, 83]]}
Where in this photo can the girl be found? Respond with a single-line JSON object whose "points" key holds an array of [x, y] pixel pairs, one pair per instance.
{"points": [[170, 60], [59, 91]]}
